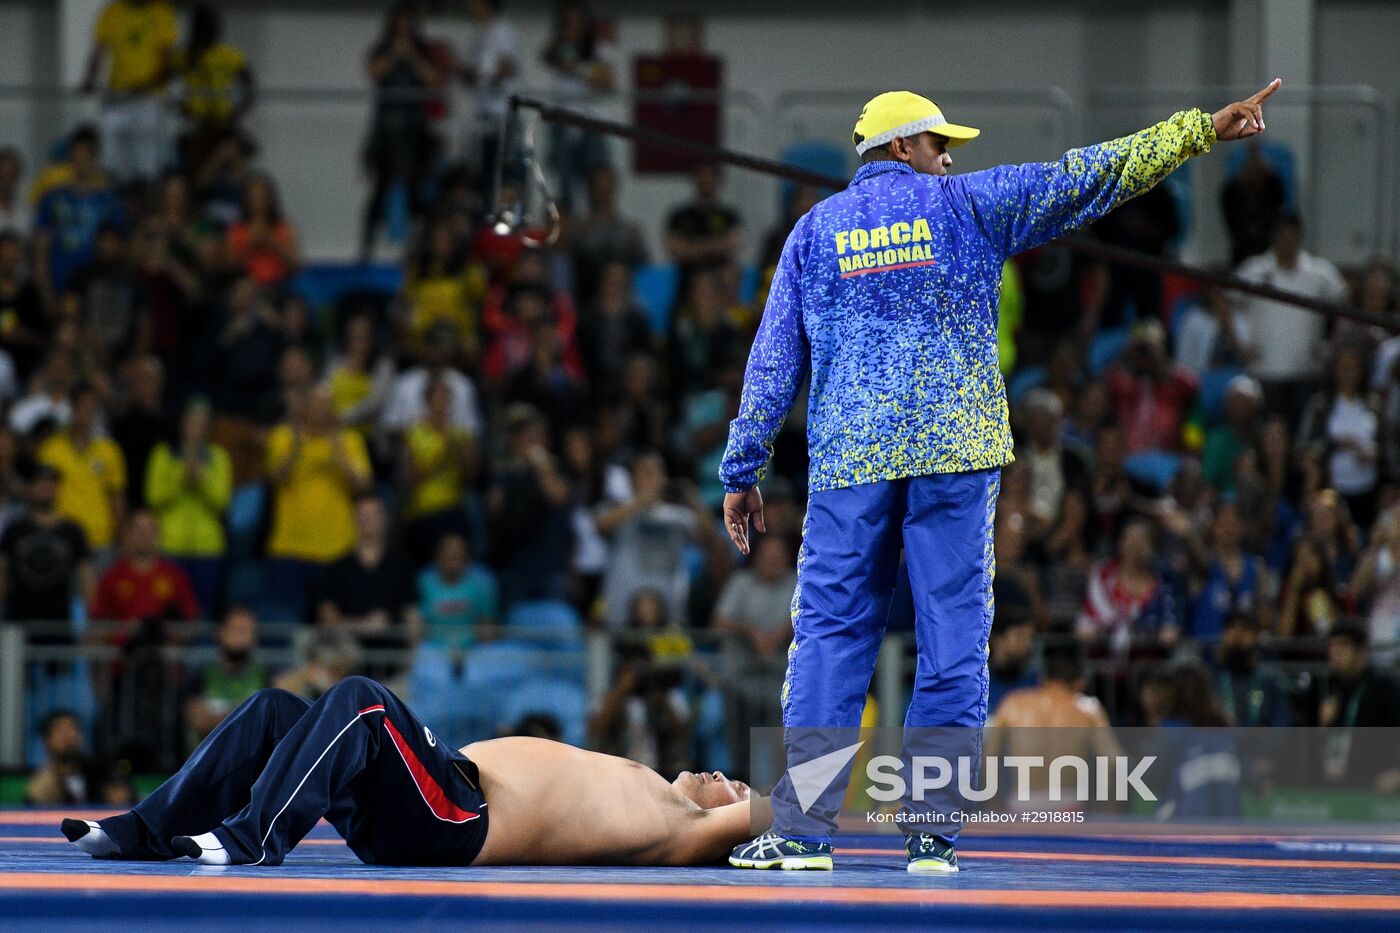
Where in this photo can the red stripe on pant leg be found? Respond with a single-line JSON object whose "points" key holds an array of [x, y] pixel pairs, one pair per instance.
{"points": [[378, 708], [432, 792]]}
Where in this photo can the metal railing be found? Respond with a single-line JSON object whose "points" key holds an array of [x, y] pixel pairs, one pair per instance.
{"points": [[144, 688], [1344, 139], [312, 141], [1017, 124], [1077, 242], [124, 685]]}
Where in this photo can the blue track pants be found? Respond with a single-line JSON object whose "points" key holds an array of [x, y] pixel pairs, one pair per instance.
{"points": [[851, 542]]}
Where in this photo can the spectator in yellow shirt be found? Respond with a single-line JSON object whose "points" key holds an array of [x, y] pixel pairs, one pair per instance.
{"points": [[444, 286], [135, 39], [361, 376], [92, 487], [1011, 302], [317, 467], [218, 86], [439, 461], [188, 485]]}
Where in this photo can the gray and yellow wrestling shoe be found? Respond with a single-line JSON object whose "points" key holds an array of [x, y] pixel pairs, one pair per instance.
{"points": [[929, 855], [773, 851]]}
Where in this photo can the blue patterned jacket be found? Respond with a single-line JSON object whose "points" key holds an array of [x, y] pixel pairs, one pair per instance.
{"points": [[886, 294]]}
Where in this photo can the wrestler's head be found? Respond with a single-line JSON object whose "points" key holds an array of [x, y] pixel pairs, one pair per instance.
{"points": [[710, 789]]}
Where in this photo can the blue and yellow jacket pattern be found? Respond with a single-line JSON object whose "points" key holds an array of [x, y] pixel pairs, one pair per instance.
{"points": [[886, 294]]}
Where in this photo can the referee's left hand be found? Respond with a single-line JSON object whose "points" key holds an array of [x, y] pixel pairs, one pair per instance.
{"points": [[738, 506]]}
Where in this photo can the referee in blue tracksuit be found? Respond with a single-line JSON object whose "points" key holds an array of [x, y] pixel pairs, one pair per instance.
{"points": [[886, 298]]}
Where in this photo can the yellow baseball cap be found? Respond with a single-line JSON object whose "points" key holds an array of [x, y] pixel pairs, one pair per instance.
{"points": [[903, 113]]}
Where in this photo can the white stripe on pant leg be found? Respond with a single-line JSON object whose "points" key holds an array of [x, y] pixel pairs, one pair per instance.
{"points": [[263, 844], [794, 611], [989, 573]]}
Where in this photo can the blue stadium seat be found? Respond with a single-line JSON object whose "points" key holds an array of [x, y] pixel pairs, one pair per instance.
{"points": [[711, 744], [1279, 157], [563, 701], [1212, 393], [78, 610], [656, 287], [245, 509], [1023, 380], [557, 622], [492, 673], [436, 692], [322, 284], [1179, 184], [396, 213], [495, 676], [748, 283], [244, 582], [1178, 314], [544, 613], [1104, 348], [1154, 468], [53, 687], [499, 665], [695, 562], [815, 155]]}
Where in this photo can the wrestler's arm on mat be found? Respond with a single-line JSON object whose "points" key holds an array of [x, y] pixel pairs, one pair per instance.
{"points": [[712, 834]]}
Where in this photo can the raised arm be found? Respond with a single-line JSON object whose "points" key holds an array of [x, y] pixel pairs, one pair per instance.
{"points": [[215, 480], [1022, 206], [778, 363], [706, 837]]}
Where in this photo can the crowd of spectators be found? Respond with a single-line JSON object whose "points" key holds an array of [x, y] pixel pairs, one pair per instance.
{"points": [[185, 437], [1212, 481]]}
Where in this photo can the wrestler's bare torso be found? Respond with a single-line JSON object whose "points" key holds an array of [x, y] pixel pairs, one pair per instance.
{"points": [[555, 804]]}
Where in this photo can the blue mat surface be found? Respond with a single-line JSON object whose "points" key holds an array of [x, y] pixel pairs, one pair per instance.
{"points": [[1013, 882]]}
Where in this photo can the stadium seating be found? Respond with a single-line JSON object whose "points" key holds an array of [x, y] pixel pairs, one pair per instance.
{"points": [[1104, 348], [1153, 468]]}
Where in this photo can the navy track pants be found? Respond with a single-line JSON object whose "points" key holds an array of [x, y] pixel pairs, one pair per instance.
{"points": [[277, 764]]}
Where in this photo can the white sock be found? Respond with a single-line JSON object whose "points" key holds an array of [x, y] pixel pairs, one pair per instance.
{"points": [[97, 843], [213, 851]]}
